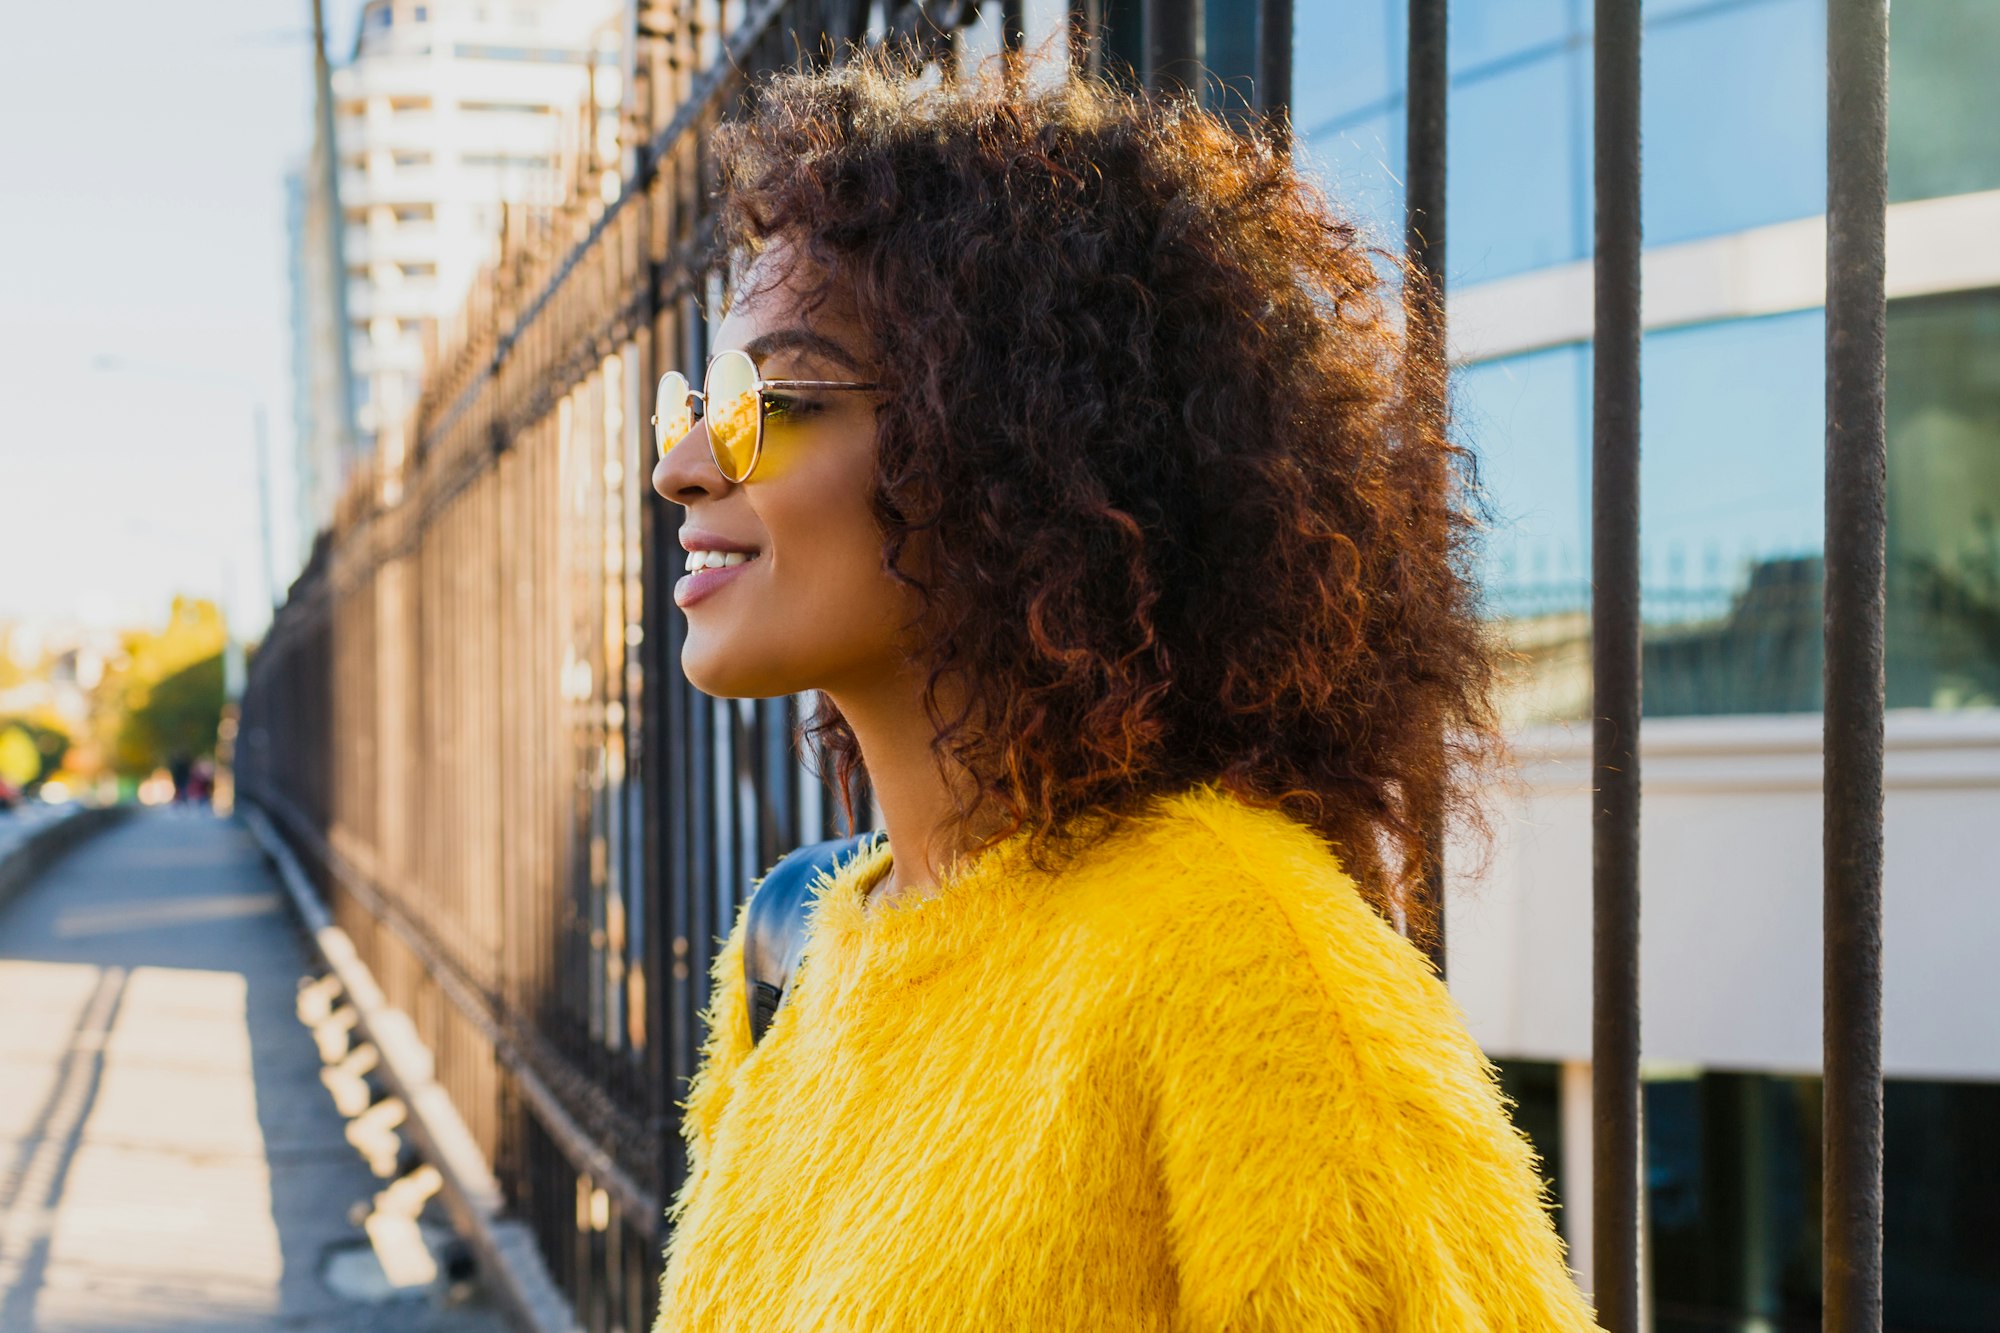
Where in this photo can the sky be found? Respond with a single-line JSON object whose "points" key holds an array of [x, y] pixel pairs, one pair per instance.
{"points": [[143, 151]]}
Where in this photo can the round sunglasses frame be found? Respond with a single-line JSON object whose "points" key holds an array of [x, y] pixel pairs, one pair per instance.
{"points": [[687, 395]]}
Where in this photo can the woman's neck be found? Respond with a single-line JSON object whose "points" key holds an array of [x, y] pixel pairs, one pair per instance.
{"points": [[918, 809]]}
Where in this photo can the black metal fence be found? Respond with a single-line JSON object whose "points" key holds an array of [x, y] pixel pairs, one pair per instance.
{"points": [[469, 713]]}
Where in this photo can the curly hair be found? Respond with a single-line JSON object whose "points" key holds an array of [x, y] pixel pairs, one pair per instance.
{"points": [[1172, 487]]}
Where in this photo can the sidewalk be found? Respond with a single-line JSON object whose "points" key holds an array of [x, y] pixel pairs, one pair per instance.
{"points": [[168, 1157]]}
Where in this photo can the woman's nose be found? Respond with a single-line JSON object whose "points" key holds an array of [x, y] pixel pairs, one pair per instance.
{"points": [[687, 471]]}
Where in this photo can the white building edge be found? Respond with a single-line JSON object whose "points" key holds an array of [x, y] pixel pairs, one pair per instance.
{"points": [[446, 113]]}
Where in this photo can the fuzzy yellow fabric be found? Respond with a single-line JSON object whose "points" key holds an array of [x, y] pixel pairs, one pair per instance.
{"points": [[1191, 1082]]}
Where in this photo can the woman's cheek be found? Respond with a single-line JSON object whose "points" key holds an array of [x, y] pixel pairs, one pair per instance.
{"points": [[779, 459]]}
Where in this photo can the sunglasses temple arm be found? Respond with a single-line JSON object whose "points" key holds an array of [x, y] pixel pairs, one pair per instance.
{"points": [[815, 384]]}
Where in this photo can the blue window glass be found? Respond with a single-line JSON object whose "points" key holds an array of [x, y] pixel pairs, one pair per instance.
{"points": [[1483, 32], [1734, 115], [1731, 510], [1734, 439], [1359, 164], [1528, 420], [1347, 59], [1514, 182]]}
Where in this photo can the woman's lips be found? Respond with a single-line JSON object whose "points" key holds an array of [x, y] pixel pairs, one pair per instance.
{"points": [[691, 588]]}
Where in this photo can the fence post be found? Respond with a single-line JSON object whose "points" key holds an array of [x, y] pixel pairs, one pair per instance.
{"points": [[1273, 92], [1086, 37], [1857, 153], [1424, 247], [1615, 676], [1173, 45]]}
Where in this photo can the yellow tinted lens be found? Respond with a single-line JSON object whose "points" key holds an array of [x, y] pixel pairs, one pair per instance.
{"points": [[673, 417], [732, 413]]}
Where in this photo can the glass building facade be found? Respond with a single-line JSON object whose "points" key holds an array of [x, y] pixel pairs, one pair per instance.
{"points": [[1732, 522], [1733, 421], [1733, 439], [1732, 1170]]}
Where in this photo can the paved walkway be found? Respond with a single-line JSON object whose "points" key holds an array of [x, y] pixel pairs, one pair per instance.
{"points": [[168, 1157]]}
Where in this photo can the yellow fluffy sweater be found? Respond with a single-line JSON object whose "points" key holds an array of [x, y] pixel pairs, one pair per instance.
{"points": [[1191, 1082]]}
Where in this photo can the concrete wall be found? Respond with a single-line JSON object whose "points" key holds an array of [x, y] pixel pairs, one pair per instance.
{"points": [[1730, 891]]}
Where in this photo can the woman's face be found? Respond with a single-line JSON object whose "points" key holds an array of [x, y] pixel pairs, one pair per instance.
{"points": [[812, 608]]}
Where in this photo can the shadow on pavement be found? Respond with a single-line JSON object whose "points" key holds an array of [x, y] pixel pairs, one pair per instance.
{"points": [[170, 1158]]}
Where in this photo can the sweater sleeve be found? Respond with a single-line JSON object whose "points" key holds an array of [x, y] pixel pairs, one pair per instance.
{"points": [[726, 1022], [1335, 1150]]}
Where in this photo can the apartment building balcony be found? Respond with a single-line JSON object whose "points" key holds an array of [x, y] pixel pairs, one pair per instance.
{"points": [[363, 188], [406, 130], [409, 299], [400, 243]]}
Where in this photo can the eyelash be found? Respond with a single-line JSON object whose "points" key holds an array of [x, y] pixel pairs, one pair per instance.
{"points": [[780, 404]]}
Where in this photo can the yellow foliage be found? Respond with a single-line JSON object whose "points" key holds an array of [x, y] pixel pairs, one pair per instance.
{"points": [[20, 760], [138, 732], [195, 630]]}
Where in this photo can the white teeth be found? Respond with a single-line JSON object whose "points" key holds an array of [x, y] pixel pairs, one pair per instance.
{"points": [[715, 559]]}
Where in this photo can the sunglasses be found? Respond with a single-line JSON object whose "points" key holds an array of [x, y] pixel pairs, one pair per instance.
{"points": [[732, 399]]}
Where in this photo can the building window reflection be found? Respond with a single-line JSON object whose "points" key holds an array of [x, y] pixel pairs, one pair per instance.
{"points": [[1731, 528], [1732, 1202], [1517, 200], [1734, 118], [1943, 106], [1944, 501]]}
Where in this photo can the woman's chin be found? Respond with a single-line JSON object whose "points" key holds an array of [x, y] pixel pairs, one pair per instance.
{"points": [[714, 670], [716, 683]]}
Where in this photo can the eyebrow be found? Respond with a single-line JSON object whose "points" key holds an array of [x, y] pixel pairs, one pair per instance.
{"points": [[799, 339]]}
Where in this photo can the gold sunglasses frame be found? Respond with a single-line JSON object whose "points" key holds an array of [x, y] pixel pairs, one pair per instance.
{"points": [[758, 385]]}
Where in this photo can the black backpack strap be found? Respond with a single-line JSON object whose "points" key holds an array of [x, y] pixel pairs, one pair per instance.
{"points": [[775, 934]]}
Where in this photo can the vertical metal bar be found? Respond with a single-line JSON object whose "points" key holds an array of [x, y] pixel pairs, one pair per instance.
{"points": [[1013, 26], [1173, 45], [1424, 248], [1013, 39], [657, 542], [1857, 86], [1615, 675], [1086, 37], [1274, 64], [1423, 213]]}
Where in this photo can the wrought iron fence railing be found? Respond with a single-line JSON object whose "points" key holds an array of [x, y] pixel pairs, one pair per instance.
{"points": [[469, 713]]}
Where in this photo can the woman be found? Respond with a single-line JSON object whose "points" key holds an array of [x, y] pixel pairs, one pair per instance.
{"points": [[1088, 497]]}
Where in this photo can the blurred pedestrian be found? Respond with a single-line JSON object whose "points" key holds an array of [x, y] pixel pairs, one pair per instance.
{"points": [[1066, 444], [201, 780]]}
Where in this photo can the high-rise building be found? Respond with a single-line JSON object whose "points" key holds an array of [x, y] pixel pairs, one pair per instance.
{"points": [[324, 437], [447, 113], [322, 393]]}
